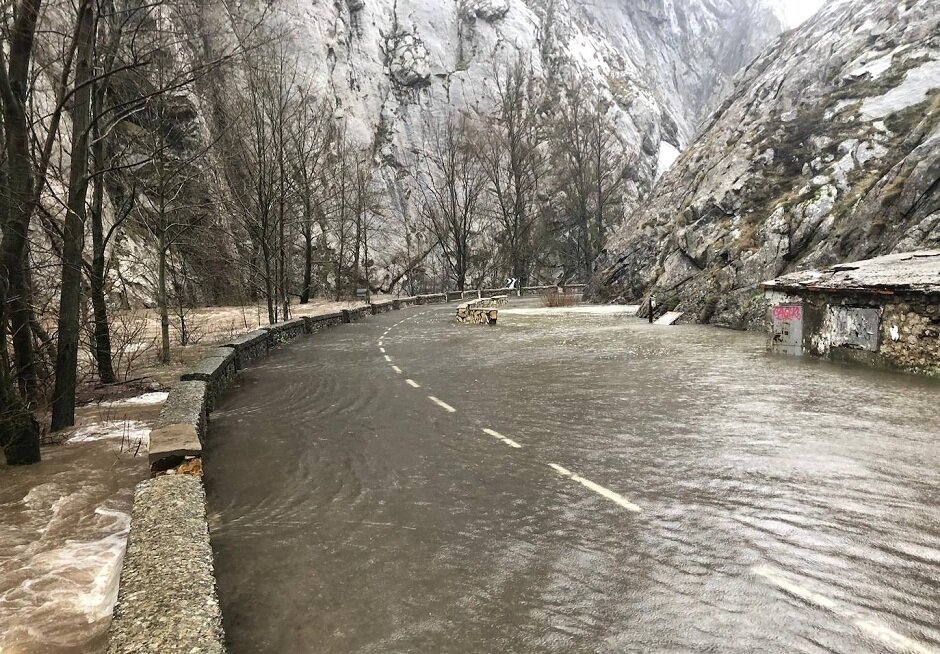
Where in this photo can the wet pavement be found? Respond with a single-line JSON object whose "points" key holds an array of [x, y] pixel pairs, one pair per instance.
{"points": [[583, 484]]}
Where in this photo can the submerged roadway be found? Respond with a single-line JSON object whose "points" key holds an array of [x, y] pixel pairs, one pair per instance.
{"points": [[588, 484]]}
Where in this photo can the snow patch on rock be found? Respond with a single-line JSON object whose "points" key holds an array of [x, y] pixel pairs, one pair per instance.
{"points": [[917, 84], [668, 153]]}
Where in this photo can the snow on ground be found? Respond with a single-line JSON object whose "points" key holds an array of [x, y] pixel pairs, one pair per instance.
{"points": [[157, 397], [592, 309], [914, 89], [129, 431]]}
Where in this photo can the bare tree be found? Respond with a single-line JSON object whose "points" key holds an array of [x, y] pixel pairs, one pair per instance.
{"points": [[589, 168], [73, 235], [261, 170], [20, 431], [510, 151], [452, 185], [311, 136]]}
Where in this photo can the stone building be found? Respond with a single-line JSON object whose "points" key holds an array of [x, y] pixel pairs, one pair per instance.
{"points": [[882, 311]]}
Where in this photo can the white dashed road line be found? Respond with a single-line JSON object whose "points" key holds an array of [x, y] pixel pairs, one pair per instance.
{"points": [[496, 434], [886, 635], [597, 488], [780, 581], [381, 349], [444, 405], [388, 358], [396, 369], [412, 383]]}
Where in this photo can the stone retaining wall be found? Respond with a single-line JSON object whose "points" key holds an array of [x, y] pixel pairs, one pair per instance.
{"points": [[481, 311], [566, 288], [181, 427], [249, 346], [381, 307], [355, 315], [217, 370], [167, 599], [282, 332], [431, 298], [536, 290], [314, 324]]}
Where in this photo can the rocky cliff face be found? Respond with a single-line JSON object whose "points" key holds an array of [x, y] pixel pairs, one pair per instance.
{"points": [[392, 66], [387, 62], [826, 150]]}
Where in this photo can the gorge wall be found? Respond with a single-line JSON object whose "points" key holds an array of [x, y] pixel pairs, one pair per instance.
{"points": [[826, 150], [392, 67]]}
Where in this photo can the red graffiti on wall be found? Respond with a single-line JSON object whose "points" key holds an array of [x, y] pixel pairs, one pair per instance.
{"points": [[788, 312]]}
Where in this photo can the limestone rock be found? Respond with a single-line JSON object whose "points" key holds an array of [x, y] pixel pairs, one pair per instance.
{"points": [[488, 10], [826, 150]]}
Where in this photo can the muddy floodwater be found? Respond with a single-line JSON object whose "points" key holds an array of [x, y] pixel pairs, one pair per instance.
{"points": [[572, 484], [63, 528]]}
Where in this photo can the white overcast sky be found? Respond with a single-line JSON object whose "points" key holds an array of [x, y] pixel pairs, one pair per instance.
{"points": [[795, 12]]}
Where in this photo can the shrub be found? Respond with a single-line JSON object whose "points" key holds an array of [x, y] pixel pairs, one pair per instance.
{"points": [[556, 299]]}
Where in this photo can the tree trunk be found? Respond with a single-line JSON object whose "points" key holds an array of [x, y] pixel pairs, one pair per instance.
{"points": [[101, 346], [308, 265], [20, 432], [519, 269], [355, 279], [102, 342], [73, 236], [268, 284], [162, 304]]}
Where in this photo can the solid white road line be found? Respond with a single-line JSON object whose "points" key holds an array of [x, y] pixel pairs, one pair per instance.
{"points": [[886, 635], [496, 434], [442, 404], [396, 369], [413, 383], [597, 488]]}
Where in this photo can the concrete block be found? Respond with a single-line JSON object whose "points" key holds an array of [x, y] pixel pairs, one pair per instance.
{"points": [[186, 403], [167, 600], [171, 444]]}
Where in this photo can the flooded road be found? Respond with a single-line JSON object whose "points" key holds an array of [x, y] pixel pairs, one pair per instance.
{"points": [[593, 484]]}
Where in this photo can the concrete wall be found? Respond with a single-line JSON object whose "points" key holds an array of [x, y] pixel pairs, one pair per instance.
{"points": [[892, 330], [167, 599]]}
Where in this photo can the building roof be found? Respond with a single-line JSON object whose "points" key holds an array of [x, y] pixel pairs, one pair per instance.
{"points": [[908, 272]]}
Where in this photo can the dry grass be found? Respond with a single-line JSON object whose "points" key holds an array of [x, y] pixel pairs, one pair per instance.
{"points": [[136, 341], [556, 299]]}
